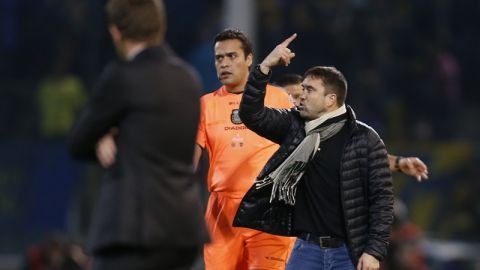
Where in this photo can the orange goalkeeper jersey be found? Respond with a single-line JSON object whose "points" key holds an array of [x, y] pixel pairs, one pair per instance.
{"points": [[236, 154]]}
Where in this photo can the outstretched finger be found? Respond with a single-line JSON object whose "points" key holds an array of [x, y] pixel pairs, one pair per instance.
{"points": [[287, 41]]}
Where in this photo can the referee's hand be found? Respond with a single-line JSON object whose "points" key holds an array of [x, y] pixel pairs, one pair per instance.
{"points": [[413, 166]]}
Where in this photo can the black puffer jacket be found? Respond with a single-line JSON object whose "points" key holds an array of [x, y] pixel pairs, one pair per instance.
{"points": [[366, 184]]}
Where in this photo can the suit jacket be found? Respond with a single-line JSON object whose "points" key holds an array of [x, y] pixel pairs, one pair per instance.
{"points": [[148, 197]]}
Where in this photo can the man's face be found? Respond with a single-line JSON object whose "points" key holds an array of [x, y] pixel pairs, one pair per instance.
{"points": [[231, 64], [294, 92], [313, 101]]}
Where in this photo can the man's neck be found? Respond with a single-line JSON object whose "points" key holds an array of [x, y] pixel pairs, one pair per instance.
{"points": [[235, 89], [328, 111], [132, 49], [238, 88]]}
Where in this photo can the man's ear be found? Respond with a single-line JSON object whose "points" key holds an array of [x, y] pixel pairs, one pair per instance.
{"points": [[249, 60], [115, 33], [332, 99]]}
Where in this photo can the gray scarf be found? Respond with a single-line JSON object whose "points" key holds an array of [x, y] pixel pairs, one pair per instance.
{"points": [[286, 177]]}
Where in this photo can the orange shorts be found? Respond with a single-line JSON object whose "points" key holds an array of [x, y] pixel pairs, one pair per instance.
{"points": [[235, 248]]}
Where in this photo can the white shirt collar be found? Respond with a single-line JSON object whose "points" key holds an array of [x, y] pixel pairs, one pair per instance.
{"points": [[309, 125], [135, 51]]}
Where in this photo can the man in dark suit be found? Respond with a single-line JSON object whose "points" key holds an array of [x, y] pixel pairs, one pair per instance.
{"points": [[148, 214]]}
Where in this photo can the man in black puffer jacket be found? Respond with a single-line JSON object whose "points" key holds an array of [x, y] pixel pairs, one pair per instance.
{"points": [[329, 183]]}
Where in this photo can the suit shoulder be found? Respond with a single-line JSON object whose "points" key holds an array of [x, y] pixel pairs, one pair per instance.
{"points": [[114, 75], [182, 66], [114, 68]]}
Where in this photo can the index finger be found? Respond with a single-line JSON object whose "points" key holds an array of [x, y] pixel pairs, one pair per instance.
{"points": [[287, 41]]}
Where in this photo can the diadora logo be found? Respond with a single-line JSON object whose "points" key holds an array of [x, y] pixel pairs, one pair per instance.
{"points": [[235, 117]]}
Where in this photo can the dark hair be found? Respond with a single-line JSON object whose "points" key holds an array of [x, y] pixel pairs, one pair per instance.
{"points": [[333, 80], [288, 79], [228, 34], [138, 20]]}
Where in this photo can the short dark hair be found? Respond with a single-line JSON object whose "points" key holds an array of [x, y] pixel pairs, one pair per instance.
{"points": [[138, 20], [288, 79], [333, 80], [228, 34]]}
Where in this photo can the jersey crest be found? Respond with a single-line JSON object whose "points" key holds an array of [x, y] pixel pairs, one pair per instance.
{"points": [[235, 117]]}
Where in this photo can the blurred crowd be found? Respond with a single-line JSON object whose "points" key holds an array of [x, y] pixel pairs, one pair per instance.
{"points": [[409, 63], [55, 252]]}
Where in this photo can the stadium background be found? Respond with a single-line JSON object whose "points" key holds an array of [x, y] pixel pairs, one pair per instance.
{"points": [[412, 68]]}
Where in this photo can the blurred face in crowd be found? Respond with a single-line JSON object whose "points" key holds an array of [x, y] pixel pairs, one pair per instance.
{"points": [[315, 99], [294, 92], [232, 64]]}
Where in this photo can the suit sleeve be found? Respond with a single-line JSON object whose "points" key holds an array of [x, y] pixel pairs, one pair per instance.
{"points": [[104, 110], [270, 123], [380, 197]]}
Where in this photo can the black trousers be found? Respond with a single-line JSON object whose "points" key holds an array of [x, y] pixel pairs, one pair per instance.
{"points": [[129, 258]]}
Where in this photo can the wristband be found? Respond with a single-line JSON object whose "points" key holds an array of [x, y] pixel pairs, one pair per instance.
{"points": [[261, 72], [397, 162]]}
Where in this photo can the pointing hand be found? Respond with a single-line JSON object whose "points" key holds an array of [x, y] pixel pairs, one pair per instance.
{"points": [[281, 55]]}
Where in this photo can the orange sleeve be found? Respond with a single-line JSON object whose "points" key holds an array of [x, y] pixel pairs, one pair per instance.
{"points": [[201, 133]]}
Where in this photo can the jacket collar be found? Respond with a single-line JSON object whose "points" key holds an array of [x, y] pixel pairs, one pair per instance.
{"points": [[351, 119], [159, 51]]}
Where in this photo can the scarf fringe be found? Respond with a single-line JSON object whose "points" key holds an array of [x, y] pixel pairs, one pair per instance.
{"points": [[284, 190], [286, 177]]}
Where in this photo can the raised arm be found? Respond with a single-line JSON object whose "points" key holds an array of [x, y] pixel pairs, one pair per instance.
{"points": [[281, 55], [267, 122]]}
